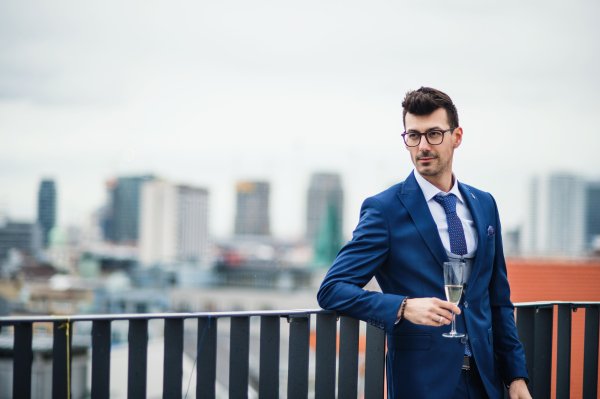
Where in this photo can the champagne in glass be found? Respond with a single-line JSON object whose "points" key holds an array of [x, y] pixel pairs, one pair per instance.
{"points": [[453, 285], [453, 293]]}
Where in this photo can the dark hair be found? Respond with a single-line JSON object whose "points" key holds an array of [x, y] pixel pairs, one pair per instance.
{"points": [[426, 100]]}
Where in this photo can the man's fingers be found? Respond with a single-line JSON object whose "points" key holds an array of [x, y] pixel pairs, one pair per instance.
{"points": [[427, 311], [451, 307], [443, 317]]}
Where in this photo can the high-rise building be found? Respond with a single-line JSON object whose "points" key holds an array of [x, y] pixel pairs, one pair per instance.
{"points": [[193, 240], [252, 208], [555, 223], [26, 237], [592, 213], [46, 215], [511, 242], [173, 224], [325, 195], [106, 214], [123, 213]]}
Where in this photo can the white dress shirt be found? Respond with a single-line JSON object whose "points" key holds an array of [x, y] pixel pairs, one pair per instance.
{"points": [[439, 216]]}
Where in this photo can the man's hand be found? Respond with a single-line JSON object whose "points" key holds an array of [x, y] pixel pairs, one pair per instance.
{"points": [[518, 390], [429, 311]]}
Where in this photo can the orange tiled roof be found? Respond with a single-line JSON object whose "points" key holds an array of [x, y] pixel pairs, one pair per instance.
{"points": [[558, 280]]}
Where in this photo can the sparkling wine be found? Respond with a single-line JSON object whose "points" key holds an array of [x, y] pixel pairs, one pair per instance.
{"points": [[453, 293]]}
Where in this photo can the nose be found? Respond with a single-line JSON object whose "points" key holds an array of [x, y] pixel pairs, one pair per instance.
{"points": [[424, 145]]}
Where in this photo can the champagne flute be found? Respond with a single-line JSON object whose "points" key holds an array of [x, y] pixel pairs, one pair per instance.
{"points": [[453, 285]]}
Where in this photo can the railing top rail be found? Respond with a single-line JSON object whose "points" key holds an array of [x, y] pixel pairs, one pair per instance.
{"points": [[188, 315], [548, 303], [147, 316]]}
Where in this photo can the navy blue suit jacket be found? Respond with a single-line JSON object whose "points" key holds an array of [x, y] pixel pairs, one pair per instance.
{"points": [[397, 241]]}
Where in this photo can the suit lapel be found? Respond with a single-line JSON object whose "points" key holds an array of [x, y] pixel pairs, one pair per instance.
{"points": [[414, 201], [480, 225]]}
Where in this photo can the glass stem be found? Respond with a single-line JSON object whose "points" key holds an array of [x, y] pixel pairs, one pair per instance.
{"points": [[453, 325]]}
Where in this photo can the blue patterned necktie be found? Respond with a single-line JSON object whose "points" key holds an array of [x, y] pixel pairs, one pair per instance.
{"points": [[458, 243]]}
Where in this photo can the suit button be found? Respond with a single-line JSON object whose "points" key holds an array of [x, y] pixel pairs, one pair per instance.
{"points": [[463, 340], [466, 304]]}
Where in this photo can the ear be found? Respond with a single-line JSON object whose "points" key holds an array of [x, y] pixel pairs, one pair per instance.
{"points": [[457, 137]]}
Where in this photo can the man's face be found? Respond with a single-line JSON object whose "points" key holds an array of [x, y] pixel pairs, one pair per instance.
{"points": [[433, 160]]}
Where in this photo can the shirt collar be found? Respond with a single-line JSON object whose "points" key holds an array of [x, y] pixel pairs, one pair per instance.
{"points": [[430, 191]]}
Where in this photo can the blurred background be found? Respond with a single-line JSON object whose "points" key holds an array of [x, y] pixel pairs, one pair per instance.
{"points": [[198, 156]]}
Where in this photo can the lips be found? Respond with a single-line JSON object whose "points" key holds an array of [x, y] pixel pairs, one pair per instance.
{"points": [[426, 157]]}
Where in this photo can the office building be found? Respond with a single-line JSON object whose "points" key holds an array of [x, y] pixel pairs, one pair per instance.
{"points": [[325, 195], [121, 223], [252, 209], [592, 214], [173, 224], [25, 237], [106, 217], [46, 215], [511, 242], [555, 218]]}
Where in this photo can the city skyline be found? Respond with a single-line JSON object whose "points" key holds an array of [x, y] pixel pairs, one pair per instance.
{"points": [[588, 188], [218, 93]]}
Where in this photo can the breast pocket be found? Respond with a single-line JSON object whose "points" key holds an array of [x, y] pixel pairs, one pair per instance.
{"points": [[409, 341]]}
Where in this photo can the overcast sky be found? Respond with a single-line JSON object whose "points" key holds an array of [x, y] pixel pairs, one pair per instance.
{"points": [[206, 93]]}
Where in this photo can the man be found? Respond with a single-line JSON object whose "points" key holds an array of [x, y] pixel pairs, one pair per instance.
{"points": [[404, 236]]}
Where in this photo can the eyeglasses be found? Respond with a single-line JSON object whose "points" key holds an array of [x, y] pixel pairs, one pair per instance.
{"points": [[433, 137]]}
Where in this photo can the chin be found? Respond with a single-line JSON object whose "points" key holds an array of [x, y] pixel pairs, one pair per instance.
{"points": [[429, 171], [426, 171]]}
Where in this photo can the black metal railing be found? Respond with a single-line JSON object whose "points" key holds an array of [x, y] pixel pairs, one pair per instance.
{"points": [[535, 328], [534, 325], [239, 346]]}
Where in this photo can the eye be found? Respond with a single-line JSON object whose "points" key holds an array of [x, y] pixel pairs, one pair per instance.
{"points": [[413, 136], [434, 133]]}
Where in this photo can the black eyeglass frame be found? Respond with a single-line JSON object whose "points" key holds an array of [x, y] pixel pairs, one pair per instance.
{"points": [[425, 134]]}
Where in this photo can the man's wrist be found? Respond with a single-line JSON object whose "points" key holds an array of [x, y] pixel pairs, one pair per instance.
{"points": [[525, 380], [400, 317]]}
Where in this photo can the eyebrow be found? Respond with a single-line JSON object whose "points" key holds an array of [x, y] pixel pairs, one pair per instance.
{"points": [[428, 130]]}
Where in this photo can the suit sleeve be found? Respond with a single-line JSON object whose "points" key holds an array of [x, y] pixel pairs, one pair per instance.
{"points": [[508, 349], [357, 262]]}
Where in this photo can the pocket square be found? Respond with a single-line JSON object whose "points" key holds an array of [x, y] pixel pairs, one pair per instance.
{"points": [[490, 231]]}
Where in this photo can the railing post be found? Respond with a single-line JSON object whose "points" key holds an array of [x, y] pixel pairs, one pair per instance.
{"points": [[239, 352], [173, 359], [590, 356], [374, 363], [348, 358], [22, 359], [100, 359], [268, 376], [138, 358], [525, 330], [542, 352], [61, 363], [206, 365], [563, 352], [298, 357], [325, 356]]}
